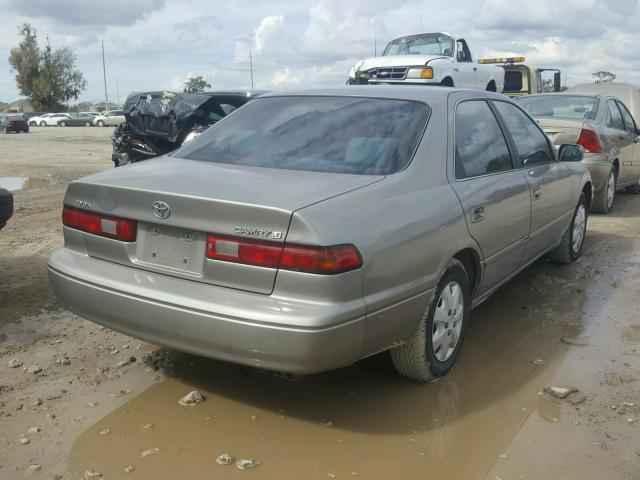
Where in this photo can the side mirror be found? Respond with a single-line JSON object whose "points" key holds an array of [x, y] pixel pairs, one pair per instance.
{"points": [[570, 153]]}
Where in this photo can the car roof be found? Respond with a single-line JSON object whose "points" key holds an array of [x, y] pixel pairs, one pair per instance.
{"points": [[569, 94], [612, 88], [399, 92]]}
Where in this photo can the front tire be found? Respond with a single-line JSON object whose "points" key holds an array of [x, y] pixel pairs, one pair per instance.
{"points": [[43, 123], [87, 124], [570, 247], [434, 348], [100, 123], [63, 124], [604, 198]]}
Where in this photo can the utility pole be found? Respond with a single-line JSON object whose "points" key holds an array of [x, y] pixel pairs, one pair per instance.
{"points": [[104, 73], [251, 68], [118, 91]]}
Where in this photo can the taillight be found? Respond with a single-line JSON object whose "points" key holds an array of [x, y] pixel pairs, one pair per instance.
{"points": [[104, 225], [590, 141], [308, 259]]}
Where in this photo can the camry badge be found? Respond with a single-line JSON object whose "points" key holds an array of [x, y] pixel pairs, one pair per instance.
{"points": [[161, 209]]}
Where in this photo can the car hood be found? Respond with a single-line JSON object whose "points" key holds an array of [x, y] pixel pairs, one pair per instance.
{"points": [[396, 61]]}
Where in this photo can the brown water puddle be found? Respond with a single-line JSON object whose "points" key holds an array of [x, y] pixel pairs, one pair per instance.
{"points": [[358, 422]]}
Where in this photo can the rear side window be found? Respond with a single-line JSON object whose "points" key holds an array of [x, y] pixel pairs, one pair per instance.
{"points": [[531, 143], [615, 118], [629, 123], [362, 136], [480, 145]]}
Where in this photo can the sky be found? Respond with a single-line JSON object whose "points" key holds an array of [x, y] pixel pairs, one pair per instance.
{"points": [[157, 44]]}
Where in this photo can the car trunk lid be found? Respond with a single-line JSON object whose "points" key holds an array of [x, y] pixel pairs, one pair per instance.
{"points": [[561, 131], [201, 197]]}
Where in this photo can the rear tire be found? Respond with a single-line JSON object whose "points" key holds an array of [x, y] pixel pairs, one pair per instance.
{"points": [[570, 247], [43, 123], [443, 325], [633, 189], [63, 124], [603, 199], [491, 86], [87, 124]]}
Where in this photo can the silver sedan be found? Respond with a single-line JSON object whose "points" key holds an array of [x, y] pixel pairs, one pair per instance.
{"points": [[603, 125], [308, 230]]}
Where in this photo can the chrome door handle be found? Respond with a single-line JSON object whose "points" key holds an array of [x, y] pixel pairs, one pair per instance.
{"points": [[477, 214]]}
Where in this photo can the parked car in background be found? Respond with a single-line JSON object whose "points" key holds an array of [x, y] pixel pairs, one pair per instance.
{"points": [[29, 115], [603, 125], [293, 235], [428, 59], [6, 206], [91, 114], [112, 118], [159, 122], [76, 121], [34, 121], [52, 120], [13, 122]]}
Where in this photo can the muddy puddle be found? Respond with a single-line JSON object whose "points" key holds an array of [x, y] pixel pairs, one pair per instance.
{"points": [[22, 183], [361, 421]]}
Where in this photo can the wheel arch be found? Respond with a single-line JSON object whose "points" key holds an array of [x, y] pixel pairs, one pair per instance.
{"points": [[447, 81], [492, 86], [472, 264], [587, 189]]}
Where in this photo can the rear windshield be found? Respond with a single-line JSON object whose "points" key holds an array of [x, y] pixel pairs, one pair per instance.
{"points": [[15, 118], [364, 136], [561, 106]]}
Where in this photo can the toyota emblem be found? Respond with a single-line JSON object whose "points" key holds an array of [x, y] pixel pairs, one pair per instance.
{"points": [[161, 209]]}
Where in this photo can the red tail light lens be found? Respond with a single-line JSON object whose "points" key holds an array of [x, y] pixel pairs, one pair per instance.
{"points": [[97, 224], [231, 249], [590, 141], [319, 260]]}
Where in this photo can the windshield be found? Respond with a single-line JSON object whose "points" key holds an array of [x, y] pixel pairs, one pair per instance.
{"points": [[561, 106], [363, 136], [424, 44]]}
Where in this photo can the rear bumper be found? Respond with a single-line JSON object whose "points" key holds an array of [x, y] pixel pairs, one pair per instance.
{"points": [[206, 320], [599, 169]]}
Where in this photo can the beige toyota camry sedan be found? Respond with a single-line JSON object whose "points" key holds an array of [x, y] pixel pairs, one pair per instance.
{"points": [[603, 125], [308, 230]]}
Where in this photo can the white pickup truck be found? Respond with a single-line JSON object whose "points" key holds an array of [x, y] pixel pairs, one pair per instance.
{"points": [[428, 59]]}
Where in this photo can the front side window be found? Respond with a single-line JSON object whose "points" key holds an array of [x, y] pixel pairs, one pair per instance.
{"points": [[531, 143], [424, 44], [362, 136], [480, 145], [629, 122], [615, 117]]}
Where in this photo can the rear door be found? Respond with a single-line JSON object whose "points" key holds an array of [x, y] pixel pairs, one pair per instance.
{"points": [[493, 193], [619, 137], [632, 133], [550, 181]]}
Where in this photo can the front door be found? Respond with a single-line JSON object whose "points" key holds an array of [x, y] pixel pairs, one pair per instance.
{"points": [[494, 195], [549, 180], [466, 70]]}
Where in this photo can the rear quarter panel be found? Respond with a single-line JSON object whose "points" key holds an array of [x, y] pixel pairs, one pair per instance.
{"points": [[407, 229]]}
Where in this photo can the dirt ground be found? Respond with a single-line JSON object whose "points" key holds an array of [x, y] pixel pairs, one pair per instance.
{"points": [[101, 398]]}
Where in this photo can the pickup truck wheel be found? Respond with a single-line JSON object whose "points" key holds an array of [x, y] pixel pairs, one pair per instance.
{"points": [[572, 242], [447, 82], [435, 346], [633, 189], [603, 199]]}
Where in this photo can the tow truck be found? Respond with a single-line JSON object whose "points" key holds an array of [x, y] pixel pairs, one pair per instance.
{"points": [[521, 79]]}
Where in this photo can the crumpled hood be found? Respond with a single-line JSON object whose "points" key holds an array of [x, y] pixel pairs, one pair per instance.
{"points": [[395, 61]]}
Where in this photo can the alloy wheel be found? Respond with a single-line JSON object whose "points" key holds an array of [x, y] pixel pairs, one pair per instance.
{"points": [[447, 321], [579, 227]]}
